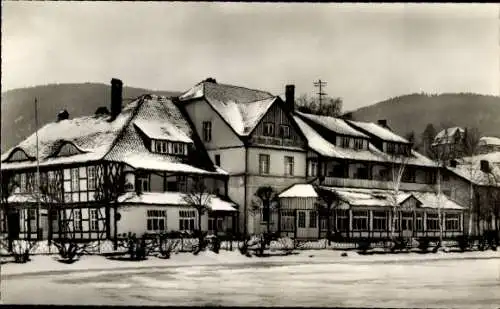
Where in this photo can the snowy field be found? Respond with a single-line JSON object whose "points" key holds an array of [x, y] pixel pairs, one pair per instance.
{"points": [[310, 278]]}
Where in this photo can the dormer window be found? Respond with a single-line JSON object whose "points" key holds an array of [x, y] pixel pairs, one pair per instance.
{"points": [[175, 148], [344, 142], [284, 131], [269, 129], [358, 144], [18, 155]]}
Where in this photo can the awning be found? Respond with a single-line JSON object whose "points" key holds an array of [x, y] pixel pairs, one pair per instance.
{"points": [[215, 203], [299, 190]]}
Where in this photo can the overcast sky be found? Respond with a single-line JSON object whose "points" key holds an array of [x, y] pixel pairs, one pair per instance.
{"points": [[366, 53]]}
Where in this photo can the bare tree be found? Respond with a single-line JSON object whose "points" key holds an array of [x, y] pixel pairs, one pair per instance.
{"points": [[199, 198], [328, 201], [8, 184], [470, 146], [328, 106], [399, 163], [267, 195]]}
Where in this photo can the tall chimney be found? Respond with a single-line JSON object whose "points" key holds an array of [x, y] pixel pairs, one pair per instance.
{"points": [[290, 96], [116, 97], [382, 123], [485, 166]]}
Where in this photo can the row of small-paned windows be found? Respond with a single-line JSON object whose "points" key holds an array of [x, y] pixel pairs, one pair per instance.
{"points": [[284, 130], [156, 220], [187, 220], [212, 226], [171, 147], [79, 184], [73, 220], [357, 143], [264, 165], [400, 149], [173, 183]]}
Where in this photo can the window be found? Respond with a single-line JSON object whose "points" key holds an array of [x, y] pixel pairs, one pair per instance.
{"points": [[22, 182], [178, 148], [30, 182], [156, 221], [379, 220], [269, 129], [284, 131], [182, 183], [361, 173], [94, 220], [343, 220], [358, 143], [313, 168], [265, 214], [211, 224], [264, 163], [312, 219], [419, 222], [217, 160], [75, 180], [143, 183], [91, 177], [207, 131], [432, 222], [345, 142], [287, 220], [288, 166], [77, 220], [186, 220], [452, 222], [302, 219], [360, 220], [409, 175]]}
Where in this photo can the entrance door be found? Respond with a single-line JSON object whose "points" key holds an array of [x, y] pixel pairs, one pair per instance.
{"points": [[13, 224], [307, 224], [407, 226]]}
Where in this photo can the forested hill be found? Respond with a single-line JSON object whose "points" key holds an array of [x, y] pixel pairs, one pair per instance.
{"points": [[413, 112], [17, 106]]}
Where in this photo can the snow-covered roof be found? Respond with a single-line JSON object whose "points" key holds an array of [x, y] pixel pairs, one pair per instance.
{"points": [[215, 203], [379, 131], [469, 168], [446, 136], [371, 197], [93, 134], [384, 198], [162, 130], [119, 140], [319, 144], [159, 162], [299, 190], [489, 140], [333, 124], [240, 107]]}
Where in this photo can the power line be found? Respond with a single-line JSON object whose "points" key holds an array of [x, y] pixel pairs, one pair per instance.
{"points": [[320, 84]]}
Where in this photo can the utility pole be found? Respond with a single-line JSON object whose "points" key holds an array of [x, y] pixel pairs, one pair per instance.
{"points": [[320, 84], [38, 213]]}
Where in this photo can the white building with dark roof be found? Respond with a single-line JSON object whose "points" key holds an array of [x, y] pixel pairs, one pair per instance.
{"points": [[140, 161]]}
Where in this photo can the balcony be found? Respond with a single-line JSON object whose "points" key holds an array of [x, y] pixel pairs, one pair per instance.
{"points": [[374, 184]]}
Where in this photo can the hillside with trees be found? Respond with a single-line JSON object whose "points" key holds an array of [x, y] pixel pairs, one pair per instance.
{"points": [[18, 114], [411, 114]]}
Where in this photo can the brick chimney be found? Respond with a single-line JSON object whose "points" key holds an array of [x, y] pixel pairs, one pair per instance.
{"points": [[62, 115], [382, 123], [485, 166], [116, 97], [290, 96]]}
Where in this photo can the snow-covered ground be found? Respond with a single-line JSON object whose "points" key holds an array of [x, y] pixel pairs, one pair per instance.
{"points": [[310, 278]]}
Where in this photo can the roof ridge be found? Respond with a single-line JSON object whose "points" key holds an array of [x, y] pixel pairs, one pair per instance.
{"points": [[236, 86]]}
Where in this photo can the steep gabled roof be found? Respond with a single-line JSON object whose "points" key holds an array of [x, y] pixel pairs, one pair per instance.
{"points": [[241, 108], [94, 135], [446, 136], [323, 147], [119, 140], [333, 124], [130, 147], [378, 131]]}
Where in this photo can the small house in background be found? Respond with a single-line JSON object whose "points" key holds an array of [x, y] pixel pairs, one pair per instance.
{"points": [[449, 141], [488, 144]]}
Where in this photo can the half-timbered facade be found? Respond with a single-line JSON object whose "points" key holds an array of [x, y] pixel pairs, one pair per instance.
{"points": [[108, 174]]}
